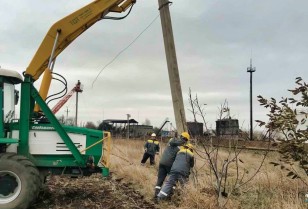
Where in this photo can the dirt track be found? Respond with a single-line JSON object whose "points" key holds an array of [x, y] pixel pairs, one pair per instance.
{"points": [[90, 193]]}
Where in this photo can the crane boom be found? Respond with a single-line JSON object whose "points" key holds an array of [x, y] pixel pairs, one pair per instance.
{"points": [[60, 104], [162, 126], [64, 32], [69, 28]]}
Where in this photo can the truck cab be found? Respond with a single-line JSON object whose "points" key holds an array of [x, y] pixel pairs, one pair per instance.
{"points": [[8, 98]]}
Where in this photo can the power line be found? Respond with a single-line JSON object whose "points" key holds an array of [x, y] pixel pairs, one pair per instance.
{"points": [[251, 70], [123, 50]]}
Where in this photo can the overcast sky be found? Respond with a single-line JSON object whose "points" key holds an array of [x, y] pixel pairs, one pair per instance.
{"points": [[213, 39]]}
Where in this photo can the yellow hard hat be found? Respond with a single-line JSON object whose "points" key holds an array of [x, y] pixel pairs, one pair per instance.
{"points": [[185, 135], [153, 134]]}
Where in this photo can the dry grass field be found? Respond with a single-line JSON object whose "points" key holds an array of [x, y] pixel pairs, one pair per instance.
{"points": [[269, 188]]}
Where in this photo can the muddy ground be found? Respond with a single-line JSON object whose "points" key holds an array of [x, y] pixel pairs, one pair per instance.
{"points": [[92, 192]]}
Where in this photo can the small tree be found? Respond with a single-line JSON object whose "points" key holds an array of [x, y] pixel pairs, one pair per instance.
{"points": [[147, 122], [284, 118], [61, 119], [224, 110], [197, 109], [219, 165], [91, 125], [192, 105], [70, 121]]}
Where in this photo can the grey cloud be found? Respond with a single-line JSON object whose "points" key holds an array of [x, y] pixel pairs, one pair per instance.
{"points": [[213, 39]]}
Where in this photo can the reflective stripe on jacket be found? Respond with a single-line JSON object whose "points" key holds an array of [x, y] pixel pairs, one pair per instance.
{"points": [[183, 162], [151, 146]]}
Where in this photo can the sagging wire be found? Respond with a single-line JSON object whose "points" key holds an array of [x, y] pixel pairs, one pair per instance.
{"points": [[131, 43], [61, 93], [123, 158]]}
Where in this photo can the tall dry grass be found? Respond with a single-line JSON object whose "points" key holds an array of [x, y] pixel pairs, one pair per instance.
{"points": [[270, 188]]}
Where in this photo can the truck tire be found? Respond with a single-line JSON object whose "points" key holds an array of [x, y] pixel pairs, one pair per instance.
{"points": [[19, 181]]}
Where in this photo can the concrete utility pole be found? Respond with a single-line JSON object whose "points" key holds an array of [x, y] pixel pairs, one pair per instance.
{"points": [[250, 70], [128, 116], [174, 77], [76, 114]]}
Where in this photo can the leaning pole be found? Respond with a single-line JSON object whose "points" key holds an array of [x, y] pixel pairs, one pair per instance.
{"points": [[173, 71]]}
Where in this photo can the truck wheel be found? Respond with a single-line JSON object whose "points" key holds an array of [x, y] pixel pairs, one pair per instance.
{"points": [[19, 181]]}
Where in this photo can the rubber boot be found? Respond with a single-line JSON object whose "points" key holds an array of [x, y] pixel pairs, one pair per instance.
{"points": [[156, 192], [162, 198]]}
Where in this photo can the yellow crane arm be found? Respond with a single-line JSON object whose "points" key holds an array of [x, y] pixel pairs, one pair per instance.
{"points": [[64, 32], [69, 28]]}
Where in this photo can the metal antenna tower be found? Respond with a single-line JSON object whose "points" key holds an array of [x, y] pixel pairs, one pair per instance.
{"points": [[250, 70]]}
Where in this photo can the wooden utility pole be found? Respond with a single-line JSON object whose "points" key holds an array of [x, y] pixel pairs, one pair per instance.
{"points": [[174, 77]]}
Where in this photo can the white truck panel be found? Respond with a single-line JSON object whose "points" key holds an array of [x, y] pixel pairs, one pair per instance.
{"points": [[49, 143]]}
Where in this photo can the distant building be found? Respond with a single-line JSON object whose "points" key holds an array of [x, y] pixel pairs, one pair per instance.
{"points": [[195, 128], [227, 127], [118, 127], [141, 130]]}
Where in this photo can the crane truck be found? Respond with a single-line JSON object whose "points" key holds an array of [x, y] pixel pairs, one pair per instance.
{"points": [[30, 148]]}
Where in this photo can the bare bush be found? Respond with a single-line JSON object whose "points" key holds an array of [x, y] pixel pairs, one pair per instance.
{"points": [[219, 165]]}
